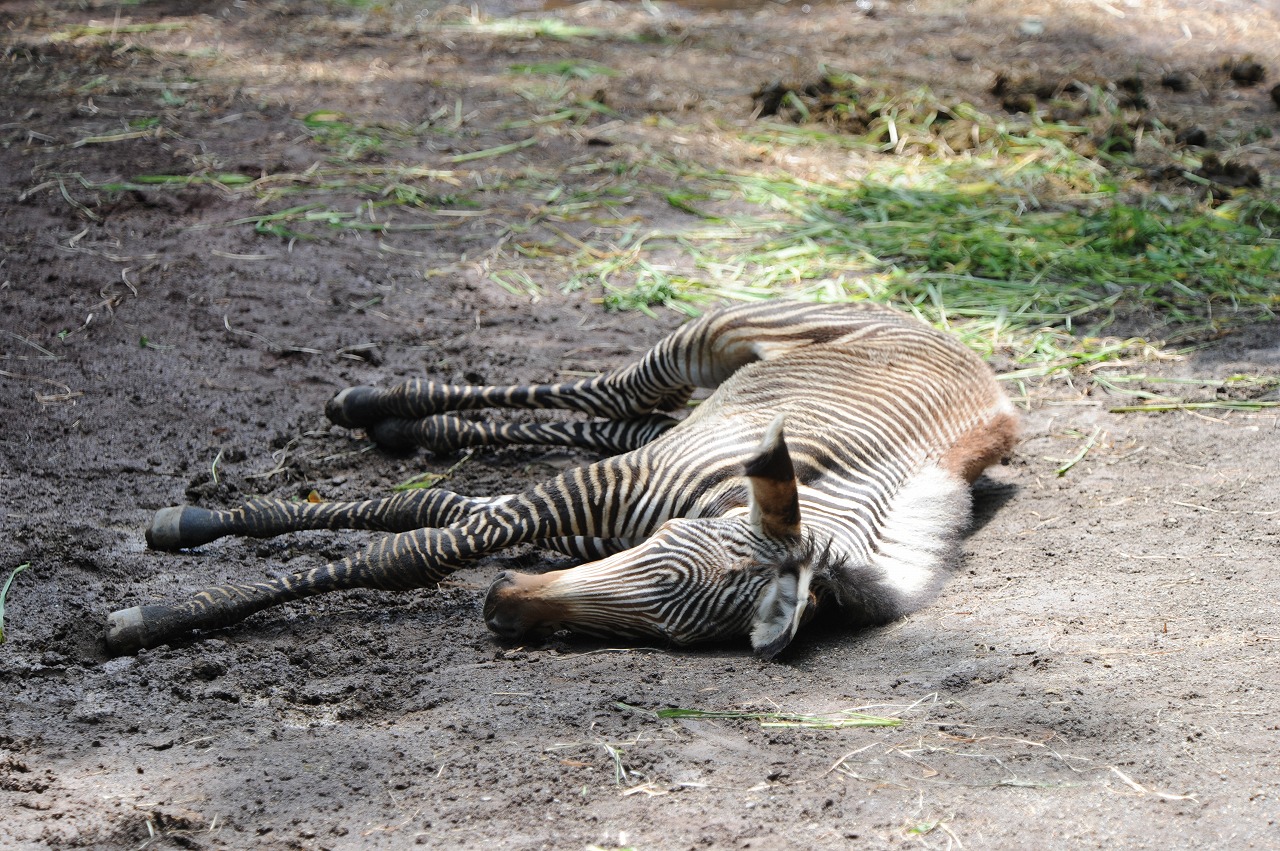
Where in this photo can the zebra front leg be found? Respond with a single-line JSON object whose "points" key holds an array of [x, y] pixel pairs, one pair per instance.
{"points": [[570, 509], [189, 526], [416, 559], [447, 434]]}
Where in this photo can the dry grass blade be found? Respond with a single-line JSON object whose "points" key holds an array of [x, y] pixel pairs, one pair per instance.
{"points": [[781, 719], [1224, 405], [1089, 443], [495, 151], [273, 346], [1143, 790], [65, 392]]}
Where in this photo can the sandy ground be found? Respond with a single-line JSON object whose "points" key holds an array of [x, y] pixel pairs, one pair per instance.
{"points": [[1101, 673]]}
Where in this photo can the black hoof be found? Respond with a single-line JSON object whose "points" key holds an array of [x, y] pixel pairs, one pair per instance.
{"points": [[354, 407], [138, 628], [393, 435], [182, 526]]}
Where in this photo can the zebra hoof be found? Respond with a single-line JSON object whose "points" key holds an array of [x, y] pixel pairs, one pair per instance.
{"points": [[354, 407], [394, 434], [141, 627], [182, 526], [440, 433], [126, 631]]}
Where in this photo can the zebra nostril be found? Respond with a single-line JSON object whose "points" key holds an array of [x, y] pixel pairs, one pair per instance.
{"points": [[500, 582]]}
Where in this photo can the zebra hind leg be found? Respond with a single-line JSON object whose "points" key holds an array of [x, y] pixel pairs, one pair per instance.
{"points": [[443, 433], [615, 396], [414, 559]]}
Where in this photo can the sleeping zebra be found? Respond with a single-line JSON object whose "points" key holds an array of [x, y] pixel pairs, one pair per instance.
{"points": [[830, 467]]}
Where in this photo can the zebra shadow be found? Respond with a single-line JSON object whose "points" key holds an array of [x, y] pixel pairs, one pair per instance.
{"points": [[989, 496]]}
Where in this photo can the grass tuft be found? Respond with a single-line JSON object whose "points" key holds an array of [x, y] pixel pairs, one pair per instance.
{"points": [[4, 594]]}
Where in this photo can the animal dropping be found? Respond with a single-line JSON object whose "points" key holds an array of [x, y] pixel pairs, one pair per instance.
{"points": [[830, 468]]}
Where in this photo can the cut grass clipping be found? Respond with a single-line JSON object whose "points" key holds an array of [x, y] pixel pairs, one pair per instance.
{"points": [[4, 593], [1011, 271], [832, 721]]}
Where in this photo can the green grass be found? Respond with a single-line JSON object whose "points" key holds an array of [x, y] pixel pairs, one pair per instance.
{"points": [[580, 69], [1234, 393], [113, 30], [350, 140], [428, 480], [992, 257], [1023, 246], [535, 28], [4, 594]]}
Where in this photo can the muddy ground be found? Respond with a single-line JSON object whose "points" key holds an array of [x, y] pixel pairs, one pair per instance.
{"points": [[1101, 672]]}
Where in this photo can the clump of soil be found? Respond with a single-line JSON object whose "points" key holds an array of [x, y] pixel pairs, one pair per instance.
{"points": [[1099, 116], [1228, 174]]}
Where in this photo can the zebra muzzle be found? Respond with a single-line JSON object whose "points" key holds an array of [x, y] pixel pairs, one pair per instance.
{"points": [[514, 609]]}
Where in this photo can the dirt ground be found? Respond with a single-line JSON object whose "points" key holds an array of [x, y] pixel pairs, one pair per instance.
{"points": [[1101, 672]]}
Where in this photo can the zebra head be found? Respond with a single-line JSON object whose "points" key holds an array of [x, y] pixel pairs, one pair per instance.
{"points": [[693, 580]]}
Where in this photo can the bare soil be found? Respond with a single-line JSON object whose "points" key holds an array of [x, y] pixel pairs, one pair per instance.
{"points": [[1100, 673]]}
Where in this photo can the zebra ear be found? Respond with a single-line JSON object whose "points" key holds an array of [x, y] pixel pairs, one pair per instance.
{"points": [[775, 515], [780, 609], [775, 505]]}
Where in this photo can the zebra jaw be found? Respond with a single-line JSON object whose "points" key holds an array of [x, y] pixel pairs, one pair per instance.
{"points": [[720, 601]]}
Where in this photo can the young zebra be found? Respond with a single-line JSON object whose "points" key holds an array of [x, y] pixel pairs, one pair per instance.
{"points": [[830, 467]]}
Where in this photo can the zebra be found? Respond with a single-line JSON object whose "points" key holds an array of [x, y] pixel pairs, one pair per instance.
{"points": [[829, 469]]}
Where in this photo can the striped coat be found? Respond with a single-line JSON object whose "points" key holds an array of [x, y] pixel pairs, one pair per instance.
{"points": [[829, 467]]}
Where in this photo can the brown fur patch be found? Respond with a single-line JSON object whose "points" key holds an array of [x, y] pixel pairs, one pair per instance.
{"points": [[981, 447], [778, 505]]}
